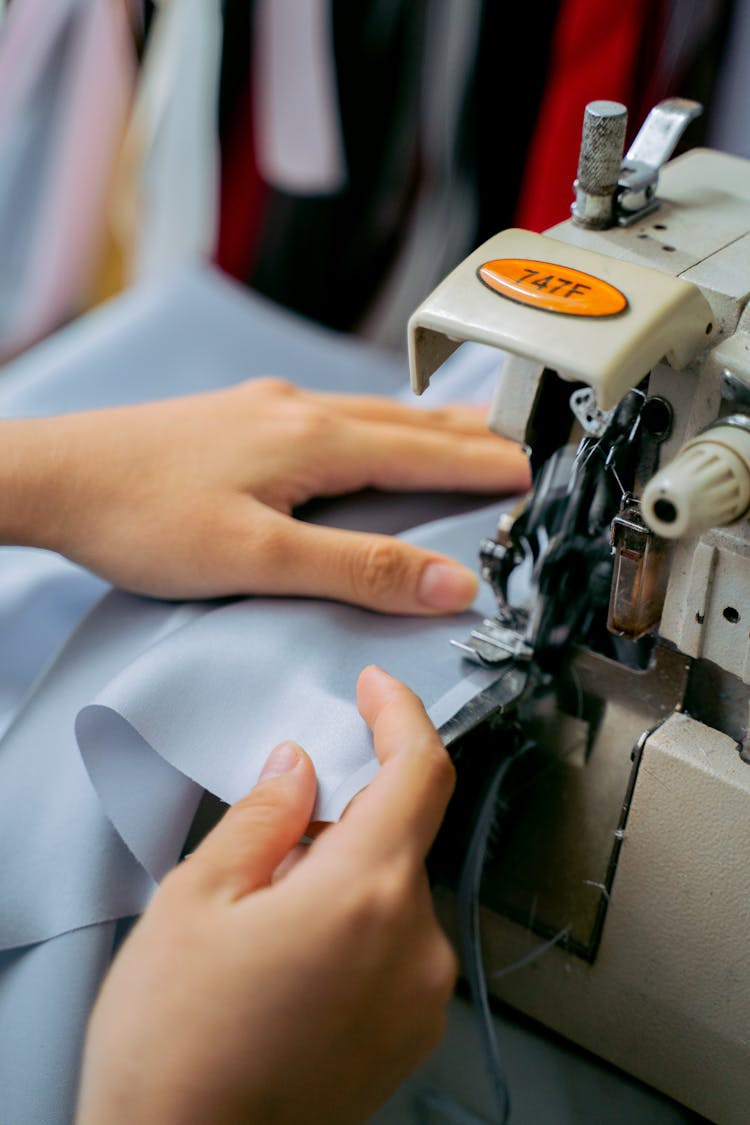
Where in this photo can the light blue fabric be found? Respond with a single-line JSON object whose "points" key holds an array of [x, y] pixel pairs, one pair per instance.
{"points": [[215, 695], [46, 993], [147, 702]]}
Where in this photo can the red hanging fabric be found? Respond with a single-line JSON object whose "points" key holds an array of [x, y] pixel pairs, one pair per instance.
{"points": [[598, 51], [243, 194]]}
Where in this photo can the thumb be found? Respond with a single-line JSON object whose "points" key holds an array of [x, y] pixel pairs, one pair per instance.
{"points": [[242, 852], [374, 571]]}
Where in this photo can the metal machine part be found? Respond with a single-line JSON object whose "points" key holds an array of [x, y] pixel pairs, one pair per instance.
{"points": [[627, 377], [640, 574], [552, 566], [602, 146], [610, 190]]}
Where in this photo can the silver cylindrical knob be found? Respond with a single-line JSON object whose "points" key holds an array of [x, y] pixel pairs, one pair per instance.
{"points": [[599, 162], [707, 485]]}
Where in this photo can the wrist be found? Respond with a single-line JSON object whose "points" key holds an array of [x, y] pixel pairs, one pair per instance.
{"points": [[31, 475]]}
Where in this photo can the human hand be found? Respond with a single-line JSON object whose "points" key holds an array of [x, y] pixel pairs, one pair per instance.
{"points": [[192, 497], [245, 994]]}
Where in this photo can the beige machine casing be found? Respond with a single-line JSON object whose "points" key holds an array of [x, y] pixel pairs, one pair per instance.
{"points": [[667, 994]]}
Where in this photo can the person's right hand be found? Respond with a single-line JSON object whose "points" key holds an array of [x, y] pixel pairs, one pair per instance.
{"points": [[259, 989]]}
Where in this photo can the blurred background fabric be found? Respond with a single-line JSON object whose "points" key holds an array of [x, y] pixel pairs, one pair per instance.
{"points": [[66, 77], [457, 121], [338, 158]]}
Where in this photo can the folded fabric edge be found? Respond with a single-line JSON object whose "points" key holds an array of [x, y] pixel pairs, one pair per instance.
{"points": [[153, 829]]}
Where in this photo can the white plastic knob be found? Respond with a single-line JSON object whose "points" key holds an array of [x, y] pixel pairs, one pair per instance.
{"points": [[707, 484]]}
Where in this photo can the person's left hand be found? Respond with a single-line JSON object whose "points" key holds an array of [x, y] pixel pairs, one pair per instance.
{"points": [[193, 497]]}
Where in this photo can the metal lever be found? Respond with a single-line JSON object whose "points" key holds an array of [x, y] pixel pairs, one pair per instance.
{"points": [[655, 143], [661, 131]]}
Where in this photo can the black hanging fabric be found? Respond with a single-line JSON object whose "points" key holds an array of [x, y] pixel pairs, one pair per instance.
{"points": [[329, 257], [325, 256]]}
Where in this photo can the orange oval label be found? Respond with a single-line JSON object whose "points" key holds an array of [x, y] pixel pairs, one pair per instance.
{"points": [[553, 288]]}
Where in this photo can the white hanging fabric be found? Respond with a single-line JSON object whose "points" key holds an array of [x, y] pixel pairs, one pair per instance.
{"points": [[172, 146], [298, 137], [66, 78]]}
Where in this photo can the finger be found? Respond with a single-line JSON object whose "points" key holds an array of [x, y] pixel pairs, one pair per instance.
{"points": [[286, 556], [291, 860], [402, 808], [401, 458], [247, 846], [300, 851], [464, 418]]}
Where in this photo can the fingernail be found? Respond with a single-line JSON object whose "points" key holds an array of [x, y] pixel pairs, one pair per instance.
{"points": [[375, 672], [447, 586], [281, 760]]}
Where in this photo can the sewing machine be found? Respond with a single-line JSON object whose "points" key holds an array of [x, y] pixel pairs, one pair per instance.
{"points": [[619, 893]]}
